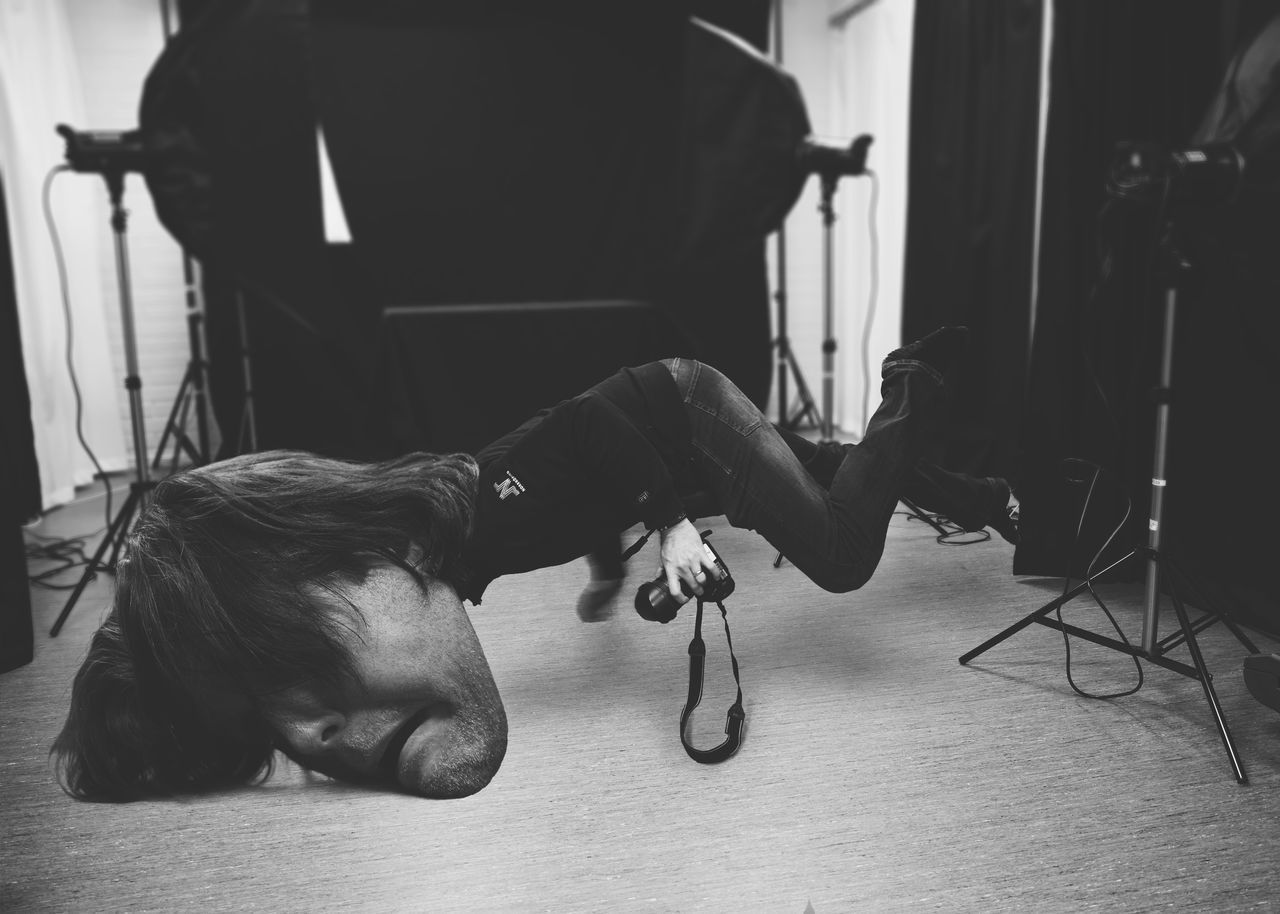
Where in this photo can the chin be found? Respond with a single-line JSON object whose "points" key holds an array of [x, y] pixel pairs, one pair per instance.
{"points": [[465, 763]]}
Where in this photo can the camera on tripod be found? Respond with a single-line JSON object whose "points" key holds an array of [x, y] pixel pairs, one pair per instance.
{"points": [[104, 152], [655, 602]]}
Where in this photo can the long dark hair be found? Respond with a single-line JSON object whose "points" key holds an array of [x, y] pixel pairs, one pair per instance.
{"points": [[217, 607]]}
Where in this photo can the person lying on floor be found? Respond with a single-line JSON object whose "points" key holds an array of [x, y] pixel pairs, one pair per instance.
{"points": [[285, 601]]}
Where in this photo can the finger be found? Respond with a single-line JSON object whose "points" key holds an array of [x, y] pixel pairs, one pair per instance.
{"points": [[673, 583], [696, 579]]}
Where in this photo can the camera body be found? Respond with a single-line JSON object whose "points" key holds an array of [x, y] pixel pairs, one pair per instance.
{"points": [[655, 602]]}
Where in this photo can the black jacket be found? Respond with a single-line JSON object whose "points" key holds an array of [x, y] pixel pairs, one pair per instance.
{"points": [[593, 465]]}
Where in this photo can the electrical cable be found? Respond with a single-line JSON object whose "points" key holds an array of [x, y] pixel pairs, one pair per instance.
{"points": [[69, 551], [1088, 582], [873, 237], [952, 536]]}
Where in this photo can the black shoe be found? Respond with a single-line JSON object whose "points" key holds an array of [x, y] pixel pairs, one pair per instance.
{"points": [[940, 350], [1002, 517], [1262, 676], [971, 504], [994, 511]]}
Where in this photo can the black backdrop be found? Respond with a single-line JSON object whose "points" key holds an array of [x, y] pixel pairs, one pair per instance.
{"points": [[1145, 70], [19, 472], [497, 152], [971, 209], [1141, 70]]}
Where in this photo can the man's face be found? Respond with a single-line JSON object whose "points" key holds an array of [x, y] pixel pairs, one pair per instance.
{"points": [[425, 713]]}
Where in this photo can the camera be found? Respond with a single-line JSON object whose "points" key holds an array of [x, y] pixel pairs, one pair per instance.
{"points": [[105, 151], [655, 602]]}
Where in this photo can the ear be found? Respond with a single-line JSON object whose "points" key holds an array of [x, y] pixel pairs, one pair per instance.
{"points": [[418, 559]]}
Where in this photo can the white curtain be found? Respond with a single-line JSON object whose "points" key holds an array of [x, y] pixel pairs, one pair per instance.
{"points": [[40, 87], [871, 79]]}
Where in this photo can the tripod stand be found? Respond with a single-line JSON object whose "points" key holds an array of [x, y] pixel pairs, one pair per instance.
{"points": [[140, 488], [1158, 565], [787, 364], [192, 389]]}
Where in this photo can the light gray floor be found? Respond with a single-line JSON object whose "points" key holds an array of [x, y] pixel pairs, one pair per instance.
{"points": [[878, 774]]}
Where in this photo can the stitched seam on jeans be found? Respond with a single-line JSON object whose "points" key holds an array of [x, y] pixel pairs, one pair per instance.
{"points": [[913, 365], [744, 432], [714, 459], [695, 371]]}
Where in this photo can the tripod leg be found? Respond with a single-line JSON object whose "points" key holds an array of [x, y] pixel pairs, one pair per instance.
{"points": [[182, 441], [806, 398], [1206, 681], [1043, 610], [170, 425], [115, 534], [1204, 604], [132, 505]]}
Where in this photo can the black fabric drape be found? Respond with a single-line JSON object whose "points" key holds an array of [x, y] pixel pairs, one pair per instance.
{"points": [[19, 473], [971, 207], [1144, 70]]}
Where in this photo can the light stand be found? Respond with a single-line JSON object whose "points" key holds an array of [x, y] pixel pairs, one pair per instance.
{"points": [[193, 386], [140, 488], [787, 364], [1158, 565], [196, 379], [247, 439], [830, 164]]}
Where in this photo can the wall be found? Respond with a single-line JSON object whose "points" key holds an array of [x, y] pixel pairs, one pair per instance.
{"points": [[116, 43], [853, 68]]}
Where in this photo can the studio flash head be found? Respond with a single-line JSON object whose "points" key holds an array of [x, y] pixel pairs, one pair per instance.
{"points": [[830, 161], [105, 152], [1203, 175]]}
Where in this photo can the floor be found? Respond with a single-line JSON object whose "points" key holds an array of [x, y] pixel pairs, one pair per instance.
{"points": [[878, 774]]}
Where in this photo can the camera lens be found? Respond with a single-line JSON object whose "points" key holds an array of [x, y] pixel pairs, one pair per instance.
{"points": [[655, 603]]}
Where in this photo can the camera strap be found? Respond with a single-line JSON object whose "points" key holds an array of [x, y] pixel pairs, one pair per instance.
{"points": [[736, 717]]}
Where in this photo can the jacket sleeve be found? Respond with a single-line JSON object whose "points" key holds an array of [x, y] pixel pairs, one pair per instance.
{"points": [[609, 447]]}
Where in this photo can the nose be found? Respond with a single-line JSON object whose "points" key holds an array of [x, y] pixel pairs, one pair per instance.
{"points": [[316, 733]]}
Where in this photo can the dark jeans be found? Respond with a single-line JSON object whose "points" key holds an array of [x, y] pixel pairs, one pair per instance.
{"points": [[834, 535]]}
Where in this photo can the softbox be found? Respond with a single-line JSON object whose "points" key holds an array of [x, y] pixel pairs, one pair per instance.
{"points": [[484, 152]]}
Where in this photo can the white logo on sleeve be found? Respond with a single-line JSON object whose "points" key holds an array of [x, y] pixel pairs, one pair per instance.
{"points": [[508, 487]]}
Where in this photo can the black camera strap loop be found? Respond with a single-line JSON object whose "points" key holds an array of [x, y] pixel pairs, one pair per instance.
{"points": [[736, 717]]}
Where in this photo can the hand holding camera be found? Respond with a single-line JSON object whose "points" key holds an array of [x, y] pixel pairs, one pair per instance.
{"points": [[655, 602]]}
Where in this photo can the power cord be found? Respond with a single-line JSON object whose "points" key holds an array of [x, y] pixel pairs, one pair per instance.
{"points": [[954, 534], [873, 237], [1088, 581], [68, 552]]}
